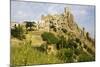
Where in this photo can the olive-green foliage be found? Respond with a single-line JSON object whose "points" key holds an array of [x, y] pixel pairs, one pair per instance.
{"points": [[62, 43], [42, 48], [68, 51], [18, 32], [49, 37], [71, 43], [78, 51], [66, 55], [83, 57], [30, 25]]}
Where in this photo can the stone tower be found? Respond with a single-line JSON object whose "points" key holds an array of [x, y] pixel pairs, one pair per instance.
{"points": [[66, 10]]}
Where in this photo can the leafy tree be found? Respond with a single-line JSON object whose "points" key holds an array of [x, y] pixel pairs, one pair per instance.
{"points": [[30, 25], [49, 37], [18, 32]]}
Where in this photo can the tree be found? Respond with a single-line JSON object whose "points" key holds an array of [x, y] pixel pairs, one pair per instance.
{"points": [[18, 32], [30, 25], [87, 35]]}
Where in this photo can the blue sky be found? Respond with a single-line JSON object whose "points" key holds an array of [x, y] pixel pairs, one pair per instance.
{"points": [[32, 11]]}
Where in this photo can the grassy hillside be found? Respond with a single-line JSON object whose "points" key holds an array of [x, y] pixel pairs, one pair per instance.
{"points": [[30, 51]]}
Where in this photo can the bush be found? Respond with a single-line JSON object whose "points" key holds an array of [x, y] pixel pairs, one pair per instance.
{"points": [[72, 44], [62, 43], [42, 48], [49, 37], [85, 58], [18, 32], [66, 55], [78, 51]]}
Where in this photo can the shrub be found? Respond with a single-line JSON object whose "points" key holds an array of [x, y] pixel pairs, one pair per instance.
{"points": [[62, 43], [66, 55], [78, 51], [42, 48], [49, 37], [83, 57], [18, 32], [71, 43]]}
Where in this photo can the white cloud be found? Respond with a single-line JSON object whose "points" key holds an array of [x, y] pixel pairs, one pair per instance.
{"points": [[52, 10], [21, 14]]}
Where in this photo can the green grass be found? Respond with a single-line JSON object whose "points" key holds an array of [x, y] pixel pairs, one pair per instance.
{"points": [[27, 55], [24, 52]]}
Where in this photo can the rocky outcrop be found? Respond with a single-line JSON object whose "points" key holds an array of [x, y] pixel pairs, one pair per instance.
{"points": [[59, 22], [62, 23]]}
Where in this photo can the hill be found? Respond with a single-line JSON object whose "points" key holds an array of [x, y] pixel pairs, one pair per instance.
{"points": [[57, 35]]}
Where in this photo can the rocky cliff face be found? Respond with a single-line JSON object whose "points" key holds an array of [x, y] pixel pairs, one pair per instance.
{"points": [[59, 22], [65, 24]]}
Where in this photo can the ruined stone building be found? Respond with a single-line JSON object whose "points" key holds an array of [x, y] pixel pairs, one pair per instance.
{"points": [[61, 21]]}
